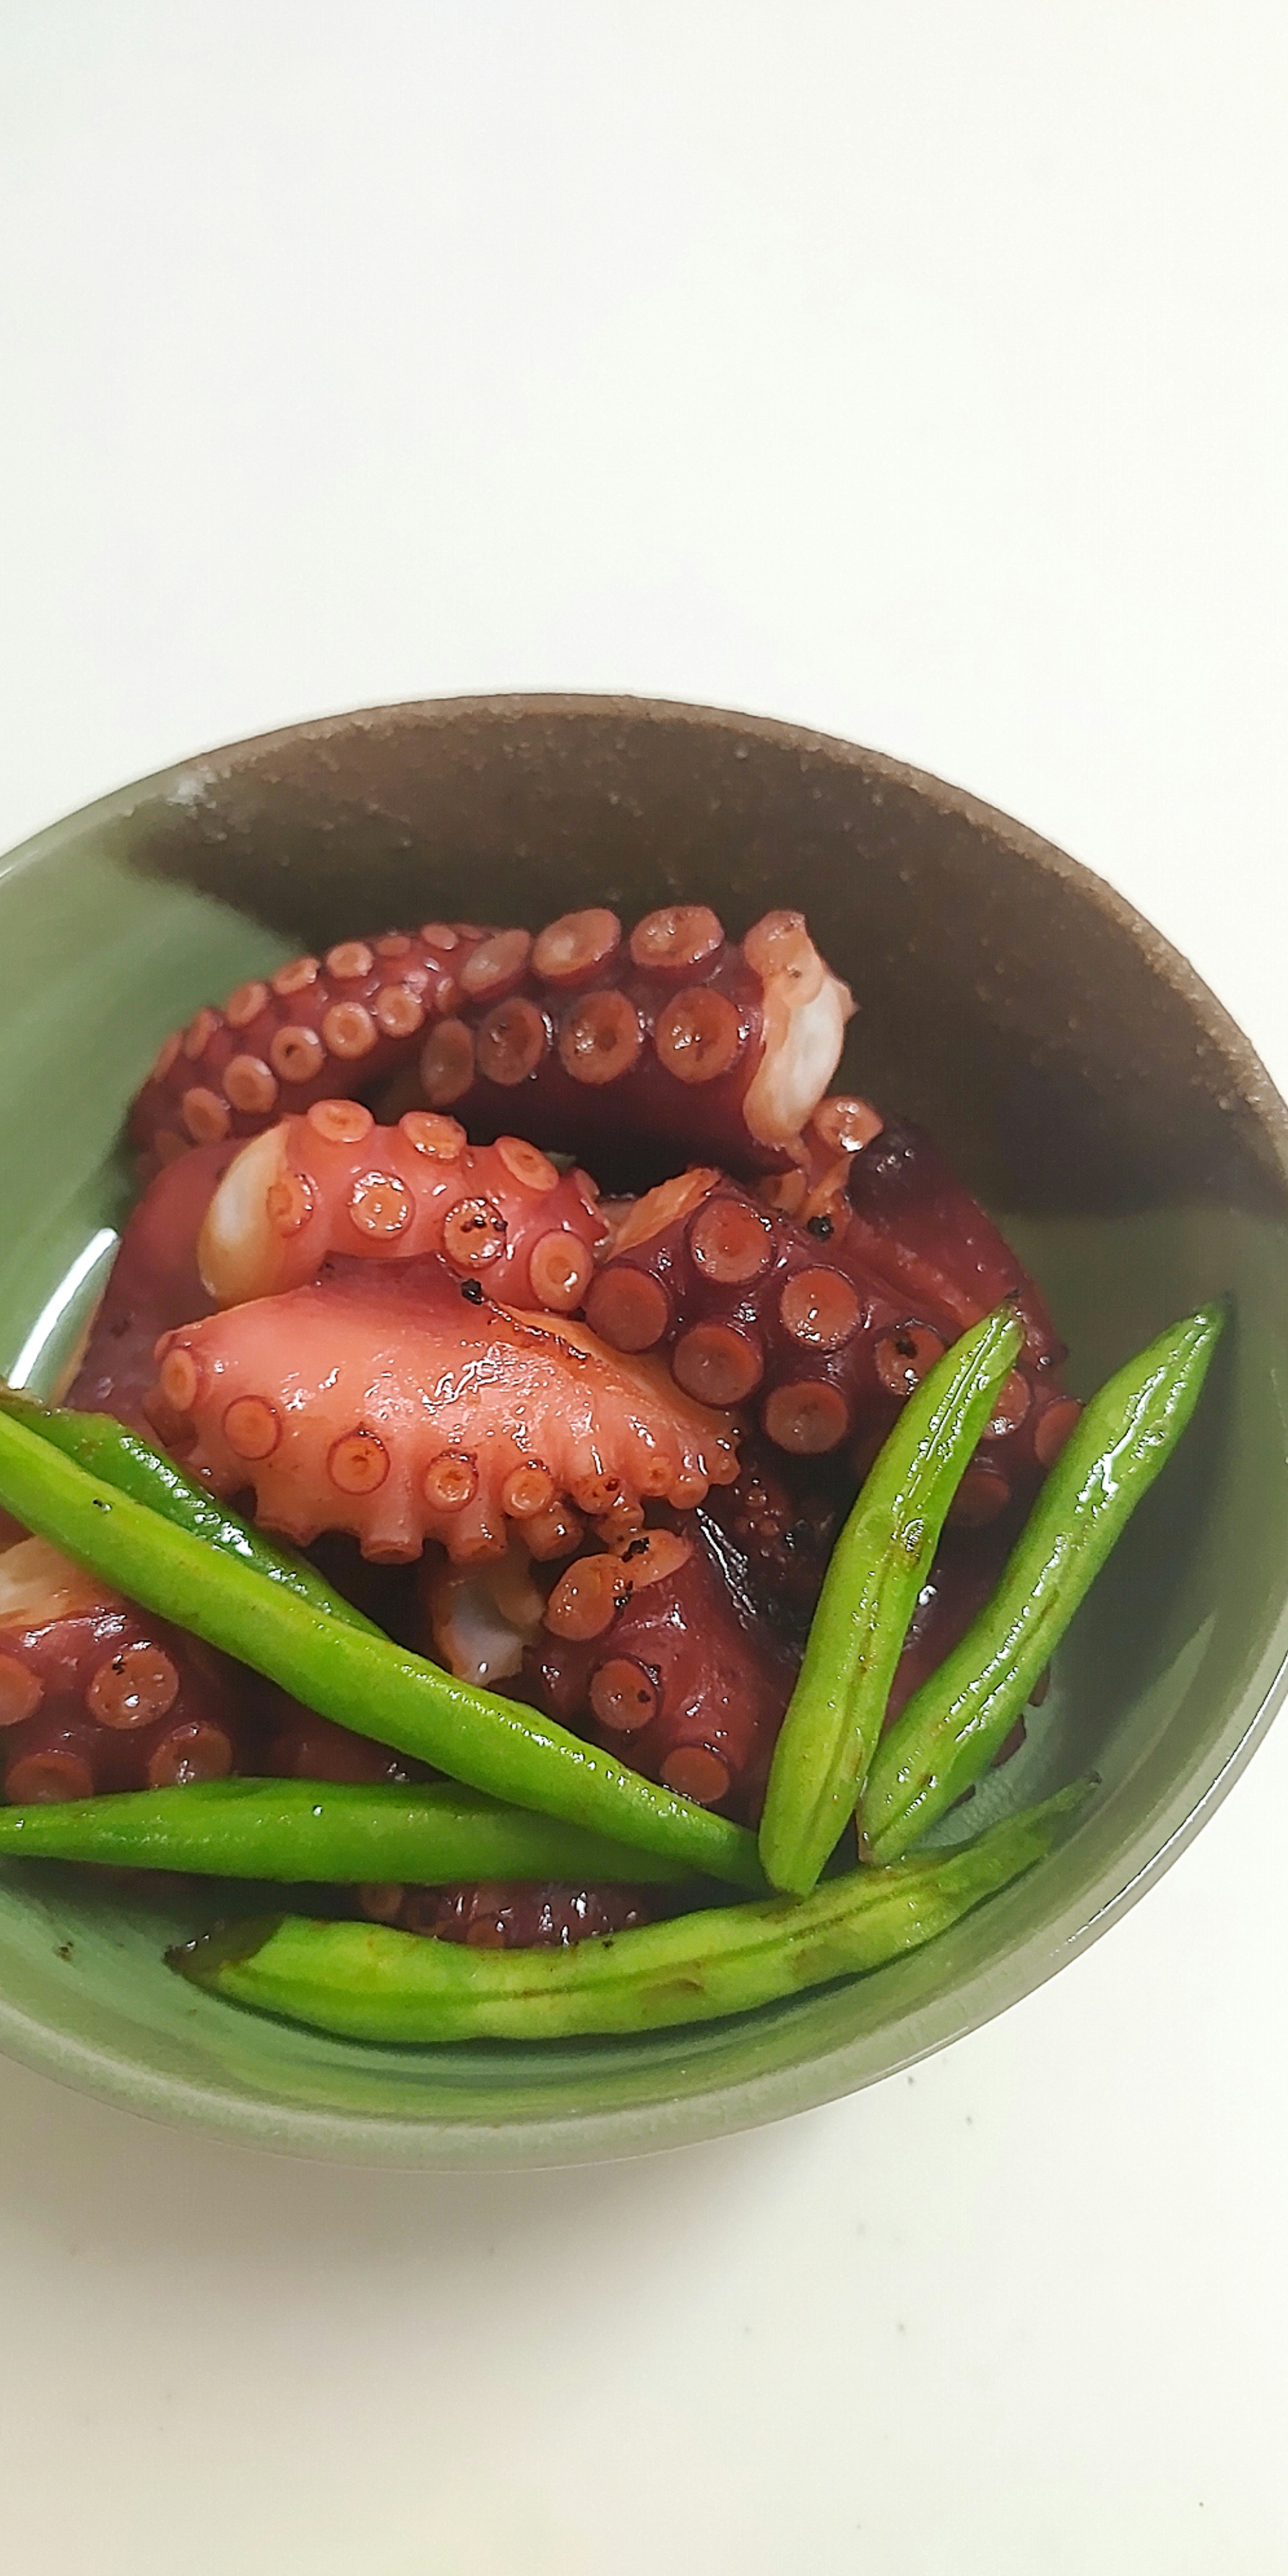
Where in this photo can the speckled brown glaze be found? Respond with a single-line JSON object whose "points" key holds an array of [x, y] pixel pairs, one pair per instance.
{"points": [[773, 1529]]}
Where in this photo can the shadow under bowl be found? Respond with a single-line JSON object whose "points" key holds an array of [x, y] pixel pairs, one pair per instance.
{"points": [[1083, 1079]]}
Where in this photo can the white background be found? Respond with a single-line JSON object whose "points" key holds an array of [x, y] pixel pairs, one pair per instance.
{"points": [[915, 371]]}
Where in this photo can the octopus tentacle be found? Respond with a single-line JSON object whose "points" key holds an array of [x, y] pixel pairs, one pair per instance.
{"points": [[154, 1284], [916, 1225], [333, 1183], [676, 1039], [647, 1651], [96, 1694], [411, 1408], [319, 1029], [512, 1914], [904, 1217], [814, 1189], [828, 1326], [748, 1308]]}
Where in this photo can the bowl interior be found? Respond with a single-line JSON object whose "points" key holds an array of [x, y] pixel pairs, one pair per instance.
{"points": [[1088, 1087]]}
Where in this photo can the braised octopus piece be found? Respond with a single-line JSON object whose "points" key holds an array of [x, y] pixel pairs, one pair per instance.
{"points": [[333, 1183], [905, 1217], [814, 1188], [672, 1042], [823, 1327], [292, 1742], [916, 1225], [773, 1529], [512, 1914], [676, 1041], [98, 1695], [646, 1650], [408, 1408], [321, 1028], [154, 1285], [750, 1309]]}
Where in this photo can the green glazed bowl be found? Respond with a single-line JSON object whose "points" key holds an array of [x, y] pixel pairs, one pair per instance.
{"points": [[1084, 1080]]}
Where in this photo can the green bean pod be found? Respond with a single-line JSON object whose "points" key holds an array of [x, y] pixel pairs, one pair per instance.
{"points": [[878, 1567], [952, 1727], [323, 1832], [122, 1458], [363, 1681], [368, 1983]]}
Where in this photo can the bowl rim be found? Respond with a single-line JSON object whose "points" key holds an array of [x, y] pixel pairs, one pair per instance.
{"points": [[721, 2109]]}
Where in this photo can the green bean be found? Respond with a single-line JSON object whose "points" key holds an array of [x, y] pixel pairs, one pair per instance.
{"points": [[366, 1682], [123, 1458], [320, 1831], [878, 1567], [367, 1982], [952, 1727]]}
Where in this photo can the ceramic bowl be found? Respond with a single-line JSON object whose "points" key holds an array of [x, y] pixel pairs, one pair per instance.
{"points": [[1088, 1086]]}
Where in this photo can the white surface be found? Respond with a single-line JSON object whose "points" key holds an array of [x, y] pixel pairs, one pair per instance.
{"points": [[911, 371]]}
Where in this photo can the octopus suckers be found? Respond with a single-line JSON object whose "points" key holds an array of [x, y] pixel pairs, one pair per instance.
{"points": [[358, 1462], [133, 1688], [600, 1037]]}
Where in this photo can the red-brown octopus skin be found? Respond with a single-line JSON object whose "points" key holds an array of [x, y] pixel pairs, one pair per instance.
{"points": [[773, 1529], [772, 1534], [319, 1028], [511, 1914], [98, 1695], [911, 1221], [916, 1225], [799, 1321], [332, 1184], [405, 1408], [669, 1043], [887, 1201], [153, 1285], [751, 1310], [291, 1742], [966, 1571], [652, 1645], [646, 1651], [634, 1053]]}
